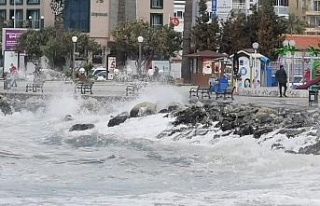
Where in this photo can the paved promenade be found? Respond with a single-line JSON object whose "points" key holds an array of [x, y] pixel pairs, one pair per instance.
{"points": [[115, 89]]}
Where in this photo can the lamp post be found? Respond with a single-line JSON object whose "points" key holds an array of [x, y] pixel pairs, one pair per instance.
{"points": [[289, 47], [74, 41], [30, 22], [14, 21], [255, 46], [140, 40], [292, 45], [14, 13], [41, 22]]}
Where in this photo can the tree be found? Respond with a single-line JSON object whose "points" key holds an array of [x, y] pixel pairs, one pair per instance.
{"points": [[235, 33], [204, 34], [267, 35], [37, 44], [295, 25], [160, 42], [185, 66]]}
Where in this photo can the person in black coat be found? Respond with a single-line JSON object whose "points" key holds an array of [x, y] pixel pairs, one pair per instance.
{"points": [[281, 77]]}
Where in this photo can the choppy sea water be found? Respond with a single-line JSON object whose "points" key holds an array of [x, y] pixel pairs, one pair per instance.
{"points": [[42, 163]]}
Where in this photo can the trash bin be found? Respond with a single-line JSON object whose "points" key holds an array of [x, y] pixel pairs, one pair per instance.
{"points": [[6, 84], [313, 97]]}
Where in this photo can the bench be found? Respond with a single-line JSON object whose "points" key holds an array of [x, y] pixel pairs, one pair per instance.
{"points": [[204, 91], [84, 87], [132, 89], [226, 93], [35, 86]]}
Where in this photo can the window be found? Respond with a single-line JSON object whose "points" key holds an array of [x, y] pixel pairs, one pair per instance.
{"points": [[156, 4], [18, 18], [33, 16], [316, 5], [179, 14], [3, 14], [33, 1], [77, 15], [156, 20], [18, 2], [3, 2]]}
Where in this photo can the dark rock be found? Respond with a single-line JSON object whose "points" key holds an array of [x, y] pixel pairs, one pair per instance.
{"points": [[143, 109], [291, 132], [5, 106], [81, 127], [312, 149], [259, 132], [164, 111], [245, 130], [68, 117], [118, 119]]}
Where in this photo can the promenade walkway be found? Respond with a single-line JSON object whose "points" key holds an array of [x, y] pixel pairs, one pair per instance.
{"points": [[261, 96]]}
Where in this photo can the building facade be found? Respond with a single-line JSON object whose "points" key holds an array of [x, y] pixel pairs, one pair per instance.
{"points": [[95, 17], [22, 13], [309, 12], [222, 8]]}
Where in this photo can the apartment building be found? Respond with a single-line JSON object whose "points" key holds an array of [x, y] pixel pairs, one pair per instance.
{"points": [[22, 13], [309, 12], [222, 8], [95, 17]]}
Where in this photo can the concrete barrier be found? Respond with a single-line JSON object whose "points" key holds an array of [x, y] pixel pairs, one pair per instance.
{"points": [[271, 92]]}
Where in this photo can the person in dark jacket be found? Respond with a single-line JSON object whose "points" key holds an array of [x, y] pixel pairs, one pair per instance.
{"points": [[281, 77]]}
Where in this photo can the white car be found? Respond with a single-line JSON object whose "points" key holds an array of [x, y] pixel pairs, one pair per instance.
{"points": [[297, 81], [97, 70]]}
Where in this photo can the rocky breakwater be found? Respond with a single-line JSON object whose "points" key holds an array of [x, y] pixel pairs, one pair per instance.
{"points": [[291, 130]]}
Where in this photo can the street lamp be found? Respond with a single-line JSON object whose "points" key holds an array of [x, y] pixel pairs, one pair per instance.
{"points": [[30, 22], [140, 40], [292, 45], [289, 47], [41, 22], [14, 21], [74, 41], [255, 46]]}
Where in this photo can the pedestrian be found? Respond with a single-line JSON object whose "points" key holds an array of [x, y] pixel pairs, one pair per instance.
{"points": [[281, 77], [13, 74]]}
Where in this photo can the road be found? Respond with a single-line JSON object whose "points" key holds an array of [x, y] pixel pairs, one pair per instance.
{"points": [[119, 89]]}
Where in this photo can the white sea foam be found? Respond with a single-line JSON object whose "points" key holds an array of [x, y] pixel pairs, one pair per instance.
{"points": [[38, 166]]}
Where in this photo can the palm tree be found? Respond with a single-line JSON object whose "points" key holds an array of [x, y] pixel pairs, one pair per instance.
{"points": [[295, 25], [185, 66]]}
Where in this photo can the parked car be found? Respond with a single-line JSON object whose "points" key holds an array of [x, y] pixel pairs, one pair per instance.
{"points": [[98, 70], [101, 75], [297, 81]]}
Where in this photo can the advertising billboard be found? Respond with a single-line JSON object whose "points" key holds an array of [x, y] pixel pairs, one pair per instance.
{"points": [[10, 38]]}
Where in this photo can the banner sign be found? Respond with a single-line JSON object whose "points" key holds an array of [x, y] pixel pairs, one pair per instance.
{"points": [[214, 8], [10, 38], [112, 64]]}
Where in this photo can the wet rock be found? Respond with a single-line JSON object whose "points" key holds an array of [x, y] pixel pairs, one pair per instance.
{"points": [[81, 127], [312, 149], [163, 111], [119, 119], [5, 106], [68, 117], [261, 131], [143, 109]]}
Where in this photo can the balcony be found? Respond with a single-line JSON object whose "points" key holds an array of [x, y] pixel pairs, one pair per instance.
{"points": [[312, 13], [239, 6]]}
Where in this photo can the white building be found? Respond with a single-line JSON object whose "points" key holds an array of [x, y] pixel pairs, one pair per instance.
{"points": [[222, 8]]}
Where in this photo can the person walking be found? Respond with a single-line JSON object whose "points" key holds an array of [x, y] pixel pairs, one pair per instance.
{"points": [[13, 74], [281, 78]]}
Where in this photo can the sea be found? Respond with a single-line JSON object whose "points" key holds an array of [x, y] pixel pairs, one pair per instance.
{"points": [[43, 164]]}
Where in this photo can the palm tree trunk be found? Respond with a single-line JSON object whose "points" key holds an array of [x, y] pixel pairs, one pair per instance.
{"points": [[185, 66]]}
